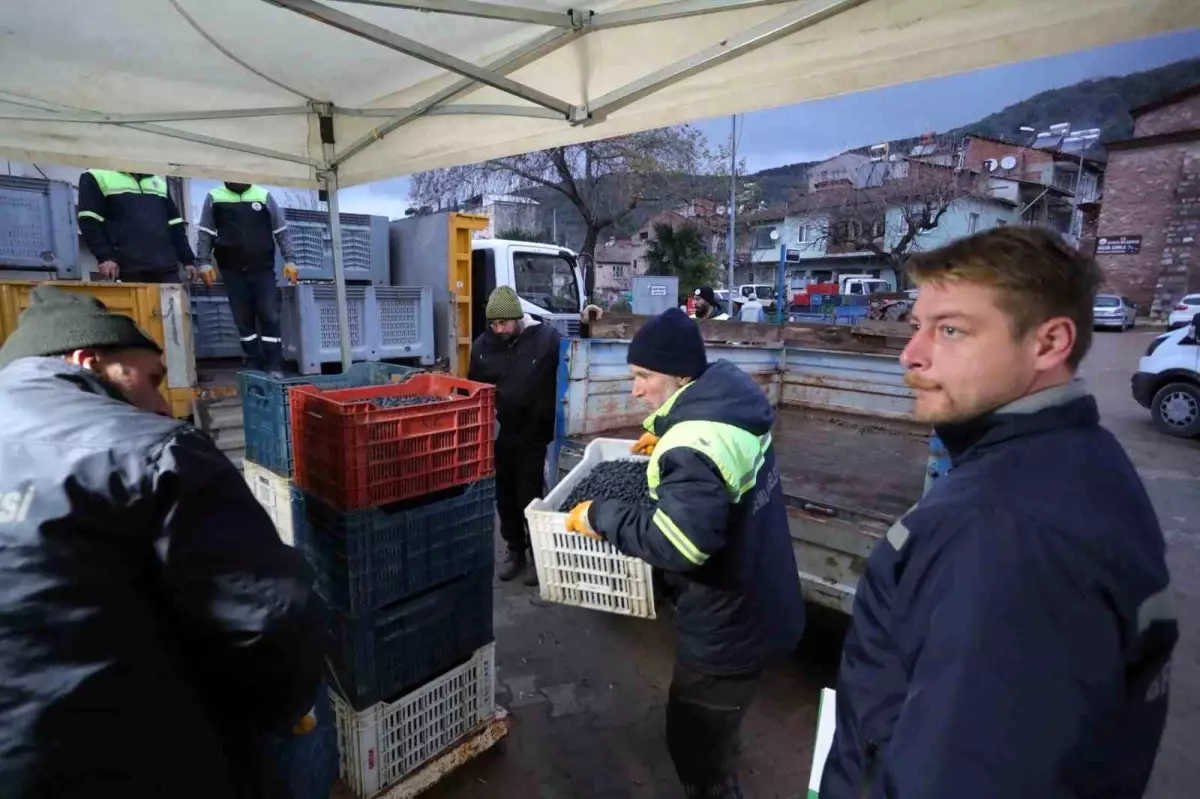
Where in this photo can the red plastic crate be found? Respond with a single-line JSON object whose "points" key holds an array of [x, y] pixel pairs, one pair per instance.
{"points": [[354, 454]]}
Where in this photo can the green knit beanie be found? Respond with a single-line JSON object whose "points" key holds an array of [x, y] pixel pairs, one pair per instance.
{"points": [[57, 322], [504, 305]]}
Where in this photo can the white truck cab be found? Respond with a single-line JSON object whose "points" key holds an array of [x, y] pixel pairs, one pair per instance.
{"points": [[545, 277], [1168, 382], [764, 292], [864, 284]]}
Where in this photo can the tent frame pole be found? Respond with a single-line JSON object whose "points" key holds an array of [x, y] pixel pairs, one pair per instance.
{"points": [[339, 269], [669, 11], [470, 8], [759, 36], [160, 116], [527, 54], [410, 47]]}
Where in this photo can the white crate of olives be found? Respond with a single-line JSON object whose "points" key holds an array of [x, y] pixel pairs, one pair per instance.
{"points": [[573, 569]]}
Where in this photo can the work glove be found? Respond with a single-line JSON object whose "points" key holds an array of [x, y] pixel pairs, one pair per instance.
{"points": [[305, 725], [291, 273], [208, 275], [645, 445], [577, 521]]}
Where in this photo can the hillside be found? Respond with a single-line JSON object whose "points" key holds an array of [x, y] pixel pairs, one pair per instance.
{"points": [[1104, 103]]}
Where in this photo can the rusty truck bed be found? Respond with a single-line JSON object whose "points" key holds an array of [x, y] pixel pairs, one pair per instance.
{"points": [[847, 462]]}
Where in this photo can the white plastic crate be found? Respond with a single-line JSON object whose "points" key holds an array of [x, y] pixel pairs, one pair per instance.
{"points": [[274, 493], [380, 745], [573, 569]]}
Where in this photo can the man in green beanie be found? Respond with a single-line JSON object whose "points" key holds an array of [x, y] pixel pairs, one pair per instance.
{"points": [[154, 625], [520, 358]]}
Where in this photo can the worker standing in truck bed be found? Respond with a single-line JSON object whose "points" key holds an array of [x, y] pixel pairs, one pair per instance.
{"points": [[242, 224], [133, 227]]}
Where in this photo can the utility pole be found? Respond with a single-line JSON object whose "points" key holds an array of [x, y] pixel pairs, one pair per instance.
{"points": [[732, 207]]}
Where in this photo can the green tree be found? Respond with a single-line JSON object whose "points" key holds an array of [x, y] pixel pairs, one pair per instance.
{"points": [[680, 251]]}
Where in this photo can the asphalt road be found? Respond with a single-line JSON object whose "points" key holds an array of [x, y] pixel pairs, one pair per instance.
{"points": [[587, 690]]}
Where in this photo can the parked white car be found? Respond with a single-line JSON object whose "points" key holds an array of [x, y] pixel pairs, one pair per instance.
{"points": [[1168, 382], [1113, 311], [1183, 313]]}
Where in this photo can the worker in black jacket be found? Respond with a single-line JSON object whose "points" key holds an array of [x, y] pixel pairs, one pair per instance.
{"points": [[241, 224], [155, 629], [717, 527], [133, 227], [521, 360]]}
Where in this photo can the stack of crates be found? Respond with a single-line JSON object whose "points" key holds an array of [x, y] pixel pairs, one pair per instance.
{"points": [[393, 502]]}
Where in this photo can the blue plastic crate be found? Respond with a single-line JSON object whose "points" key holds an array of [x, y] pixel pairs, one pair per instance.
{"points": [[377, 656], [371, 558], [267, 417]]}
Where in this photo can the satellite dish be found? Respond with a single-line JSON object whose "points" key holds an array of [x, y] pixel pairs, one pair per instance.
{"points": [[720, 209], [774, 235], [990, 163], [1008, 162]]}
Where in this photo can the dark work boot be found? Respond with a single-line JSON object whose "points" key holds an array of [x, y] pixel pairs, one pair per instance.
{"points": [[513, 565]]}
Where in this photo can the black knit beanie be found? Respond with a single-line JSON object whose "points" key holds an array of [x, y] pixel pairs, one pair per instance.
{"points": [[57, 322], [669, 344]]}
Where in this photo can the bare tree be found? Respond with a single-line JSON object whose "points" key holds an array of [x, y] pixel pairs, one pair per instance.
{"points": [[888, 215], [603, 180], [305, 199]]}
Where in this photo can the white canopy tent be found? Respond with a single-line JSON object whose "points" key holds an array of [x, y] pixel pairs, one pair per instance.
{"points": [[340, 92]]}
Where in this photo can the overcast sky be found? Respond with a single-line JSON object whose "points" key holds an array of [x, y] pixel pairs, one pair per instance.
{"points": [[823, 128]]}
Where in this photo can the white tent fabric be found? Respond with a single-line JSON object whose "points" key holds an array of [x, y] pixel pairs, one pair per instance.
{"points": [[233, 88]]}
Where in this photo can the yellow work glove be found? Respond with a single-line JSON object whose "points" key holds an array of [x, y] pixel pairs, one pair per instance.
{"points": [[645, 445], [208, 275], [305, 725], [577, 521], [291, 273]]}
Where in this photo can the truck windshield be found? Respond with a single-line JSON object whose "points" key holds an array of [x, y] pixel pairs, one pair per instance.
{"points": [[547, 281], [765, 292]]}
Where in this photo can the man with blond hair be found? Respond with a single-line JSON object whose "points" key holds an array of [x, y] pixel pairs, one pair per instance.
{"points": [[1012, 634]]}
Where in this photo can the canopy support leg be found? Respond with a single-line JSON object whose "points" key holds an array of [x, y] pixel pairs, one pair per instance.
{"points": [[339, 269]]}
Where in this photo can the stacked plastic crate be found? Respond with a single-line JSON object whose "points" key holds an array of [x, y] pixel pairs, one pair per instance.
{"points": [[393, 503]]}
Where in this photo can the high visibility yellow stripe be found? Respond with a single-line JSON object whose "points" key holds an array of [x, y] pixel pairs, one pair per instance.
{"points": [[91, 215], [678, 539], [176, 221]]}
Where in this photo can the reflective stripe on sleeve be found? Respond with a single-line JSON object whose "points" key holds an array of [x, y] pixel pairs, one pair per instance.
{"points": [[677, 538], [176, 221], [250, 337], [277, 231], [91, 215], [209, 231], [270, 340]]}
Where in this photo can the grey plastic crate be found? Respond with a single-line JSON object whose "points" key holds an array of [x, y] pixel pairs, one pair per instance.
{"points": [[310, 325], [405, 323], [214, 334], [38, 226], [364, 246]]}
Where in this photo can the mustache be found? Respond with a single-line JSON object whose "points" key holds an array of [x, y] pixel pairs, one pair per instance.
{"points": [[921, 384]]}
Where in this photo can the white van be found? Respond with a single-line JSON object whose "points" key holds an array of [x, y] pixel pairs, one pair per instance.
{"points": [[1168, 382]]}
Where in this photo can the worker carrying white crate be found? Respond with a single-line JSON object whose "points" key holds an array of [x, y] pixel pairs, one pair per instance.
{"points": [[717, 527]]}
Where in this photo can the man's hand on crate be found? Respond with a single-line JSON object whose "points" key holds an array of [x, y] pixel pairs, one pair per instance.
{"points": [[291, 273], [305, 725], [645, 445], [577, 521]]}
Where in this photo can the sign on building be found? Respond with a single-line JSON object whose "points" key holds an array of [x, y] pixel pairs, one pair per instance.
{"points": [[1118, 245]]}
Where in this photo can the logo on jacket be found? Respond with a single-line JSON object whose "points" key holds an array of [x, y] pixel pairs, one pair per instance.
{"points": [[14, 505], [257, 206]]}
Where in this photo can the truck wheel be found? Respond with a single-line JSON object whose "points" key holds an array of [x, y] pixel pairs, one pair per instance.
{"points": [[1176, 409]]}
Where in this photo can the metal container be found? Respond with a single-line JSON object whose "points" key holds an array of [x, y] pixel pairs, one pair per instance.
{"points": [[38, 227], [653, 294], [364, 247], [214, 333], [386, 322]]}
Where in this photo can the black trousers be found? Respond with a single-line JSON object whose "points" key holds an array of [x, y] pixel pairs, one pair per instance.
{"points": [[255, 300], [519, 480], [704, 720]]}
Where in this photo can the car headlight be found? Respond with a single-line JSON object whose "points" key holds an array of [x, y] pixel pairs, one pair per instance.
{"points": [[1154, 344]]}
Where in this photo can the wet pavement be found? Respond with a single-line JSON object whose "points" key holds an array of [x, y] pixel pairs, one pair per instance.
{"points": [[587, 690]]}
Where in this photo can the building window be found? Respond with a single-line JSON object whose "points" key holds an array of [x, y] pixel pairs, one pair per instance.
{"points": [[1000, 223], [762, 238], [802, 234], [972, 223], [618, 271], [645, 234]]}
